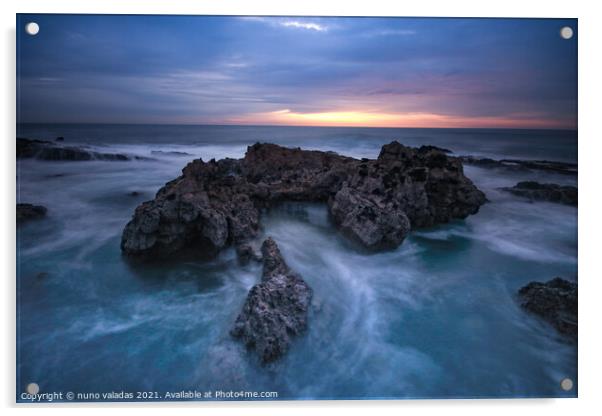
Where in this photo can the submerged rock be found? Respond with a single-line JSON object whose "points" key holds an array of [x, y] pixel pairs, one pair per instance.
{"points": [[430, 147], [42, 275], [551, 192], [375, 202], [564, 168], [275, 309], [555, 301], [246, 252], [45, 150], [169, 153], [27, 212]]}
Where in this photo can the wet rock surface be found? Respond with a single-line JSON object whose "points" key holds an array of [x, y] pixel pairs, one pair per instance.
{"points": [[554, 301], [550, 192], [45, 150], [275, 309], [375, 202], [26, 212]]}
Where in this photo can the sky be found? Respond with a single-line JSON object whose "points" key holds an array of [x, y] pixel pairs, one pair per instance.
{"points": [[371, 72]]}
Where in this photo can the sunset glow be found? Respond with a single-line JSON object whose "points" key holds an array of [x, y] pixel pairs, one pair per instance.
{"points": [[374, 119]]}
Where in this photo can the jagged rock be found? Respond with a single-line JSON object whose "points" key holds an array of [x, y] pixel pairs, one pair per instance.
{"points": [[564, 168], [366, 222], [555, 301], [551, 192], [217, 203], [27, 212], [275, 309], [45, 150], [204, 210]]}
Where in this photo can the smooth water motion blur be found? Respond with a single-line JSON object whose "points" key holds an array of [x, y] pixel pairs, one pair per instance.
{"points": [[438, 317]]}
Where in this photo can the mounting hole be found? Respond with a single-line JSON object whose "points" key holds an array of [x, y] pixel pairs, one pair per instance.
{"points": [[566, 32], [566, 384], [32, 28], [33, 388]]}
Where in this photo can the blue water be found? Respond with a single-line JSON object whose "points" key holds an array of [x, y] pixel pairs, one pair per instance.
{"points": [[436, 318]]}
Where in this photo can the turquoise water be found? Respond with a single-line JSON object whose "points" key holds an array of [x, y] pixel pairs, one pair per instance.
{"points": [[435, 318]]}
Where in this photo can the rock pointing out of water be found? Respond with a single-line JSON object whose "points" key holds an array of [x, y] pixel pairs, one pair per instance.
{"points": [[554, 301], [275, 309], [550, 192], [372, 201]]}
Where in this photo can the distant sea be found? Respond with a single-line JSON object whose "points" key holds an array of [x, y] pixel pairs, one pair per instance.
{"points": [[436, 318]]}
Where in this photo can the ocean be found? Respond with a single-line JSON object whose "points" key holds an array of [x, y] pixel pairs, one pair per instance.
{"points": [[436, 318]]}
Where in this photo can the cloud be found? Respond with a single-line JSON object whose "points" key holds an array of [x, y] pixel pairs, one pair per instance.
{"points": [[304, 25], [350, 71], [287, 22]]}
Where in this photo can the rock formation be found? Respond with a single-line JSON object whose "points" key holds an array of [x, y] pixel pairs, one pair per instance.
{"points": [[555, 301], [372, 201], [27, 212], [45, 150], [275, 309], [551, 192]]}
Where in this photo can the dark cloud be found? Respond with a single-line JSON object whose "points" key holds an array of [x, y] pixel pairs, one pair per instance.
{"points": [[210, 69]]}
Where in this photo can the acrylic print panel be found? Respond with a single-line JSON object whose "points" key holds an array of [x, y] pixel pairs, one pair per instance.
{"points": [[276, 208]]}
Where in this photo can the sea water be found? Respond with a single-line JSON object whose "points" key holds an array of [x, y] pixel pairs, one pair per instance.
{"points": [[436, 318]]}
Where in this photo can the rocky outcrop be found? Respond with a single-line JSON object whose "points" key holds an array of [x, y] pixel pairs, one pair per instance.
{"points": [[45, 150], [555, 301], [26, 212], [550, 192], [275, 309], [563, 168], [373, 201]]}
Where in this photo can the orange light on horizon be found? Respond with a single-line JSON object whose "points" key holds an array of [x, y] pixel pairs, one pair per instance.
{"points": [[377, 119], [335, 117]]}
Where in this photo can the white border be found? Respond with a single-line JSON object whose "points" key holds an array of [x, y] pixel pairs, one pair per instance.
{"points": [[590, 136]]}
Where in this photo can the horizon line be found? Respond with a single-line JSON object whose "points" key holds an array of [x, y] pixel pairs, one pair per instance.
{"points": [[294, 125]]}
